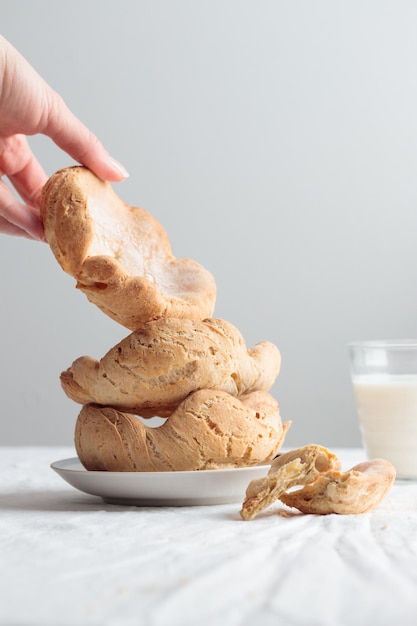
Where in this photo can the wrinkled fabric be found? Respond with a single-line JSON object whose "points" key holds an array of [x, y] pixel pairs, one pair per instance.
{"points": [[69, 559]]}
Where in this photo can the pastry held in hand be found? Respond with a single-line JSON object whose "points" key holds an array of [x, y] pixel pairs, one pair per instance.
{"points": [[209, 430], [120, 255], [157, 366]]}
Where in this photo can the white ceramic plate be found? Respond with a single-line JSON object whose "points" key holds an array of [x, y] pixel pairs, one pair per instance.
{"points": [[161, 488]]}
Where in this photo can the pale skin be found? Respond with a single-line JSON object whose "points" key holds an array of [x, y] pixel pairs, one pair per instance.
{"points": [[29, 106]]}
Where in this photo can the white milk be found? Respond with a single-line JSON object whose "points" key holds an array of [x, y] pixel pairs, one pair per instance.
{"points": [[387, 410]]}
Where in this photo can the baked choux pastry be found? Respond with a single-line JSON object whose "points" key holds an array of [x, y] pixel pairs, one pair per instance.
{"points": [[324, 488], [157, 366], [209, 430], [348, 493], [293, 468], [120, 255]]}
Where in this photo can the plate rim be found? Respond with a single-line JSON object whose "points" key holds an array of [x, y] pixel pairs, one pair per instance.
{"points": [[58, 466], [161, 489]]}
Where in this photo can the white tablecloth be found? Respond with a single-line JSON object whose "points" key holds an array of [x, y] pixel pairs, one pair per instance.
{"points": [[67, 558]]}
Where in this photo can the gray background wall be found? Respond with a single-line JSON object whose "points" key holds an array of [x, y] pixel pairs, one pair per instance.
{"points": [[276, 142]]}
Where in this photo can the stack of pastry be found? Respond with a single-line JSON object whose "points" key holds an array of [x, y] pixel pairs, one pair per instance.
{"points": [[178, 362]]}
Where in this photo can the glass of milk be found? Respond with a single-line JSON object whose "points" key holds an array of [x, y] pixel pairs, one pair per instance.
{"points": [[384, 377]]}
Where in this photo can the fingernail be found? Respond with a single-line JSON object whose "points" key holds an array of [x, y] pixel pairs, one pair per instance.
{"points": [[119, 167]]}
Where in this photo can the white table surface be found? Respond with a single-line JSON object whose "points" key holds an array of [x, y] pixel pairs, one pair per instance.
{"points": [[67, 558]]}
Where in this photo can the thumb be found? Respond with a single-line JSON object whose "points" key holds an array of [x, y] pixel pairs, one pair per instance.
{"points": [[72, 136]]}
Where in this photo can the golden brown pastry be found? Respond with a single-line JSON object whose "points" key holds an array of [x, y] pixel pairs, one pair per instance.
{"points": [[297, 467], [209, 430], [120, 255], [348, 493], [324, 487], [156, 367]]}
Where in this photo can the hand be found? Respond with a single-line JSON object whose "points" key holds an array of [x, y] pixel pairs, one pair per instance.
{"points": [[28, 106]]}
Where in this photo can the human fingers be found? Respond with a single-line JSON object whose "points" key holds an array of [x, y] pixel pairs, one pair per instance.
{"points": [[11, 229], [20, 216], [23, 170], [29, 181], [72, 136], [30, 106]]}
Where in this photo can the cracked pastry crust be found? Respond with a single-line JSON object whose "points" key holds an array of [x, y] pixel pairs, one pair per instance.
{"points": [[347, 493], [157, 366], [120, 255], [324, 487], [209, 430], [296, 467]]}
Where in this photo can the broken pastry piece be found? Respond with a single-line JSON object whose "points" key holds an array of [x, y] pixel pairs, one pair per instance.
{"points": [[120, 255], [156, 367], [208, 430], [356, 491], [297, 467], [325, 488]]}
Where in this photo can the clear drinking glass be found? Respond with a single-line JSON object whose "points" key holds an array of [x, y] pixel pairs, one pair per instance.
{"points": [[384, 377]]}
